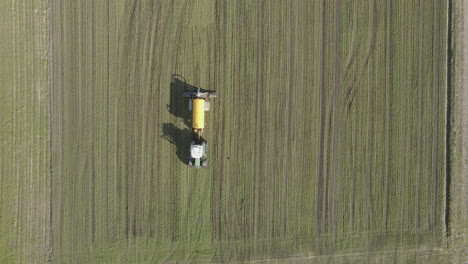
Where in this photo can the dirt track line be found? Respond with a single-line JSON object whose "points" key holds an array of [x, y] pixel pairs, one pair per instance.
{"points": [[287, 122], [403, 78], [53, 77], [92, 121], [435, 112], [448, 116], [258, 114], [234, 215], [371, 111], [370, 144], [174, 182], [220, 126], [151, 118], [336, 168], [159, 37], [320, 176], [353, 47], [56, 125], [16, 66], [123, 80], [420, 115], [217, 178], [107, 121], [258, 127], [143, 162], [372, 35], [352, 175], [372, 32], [388, 81]]}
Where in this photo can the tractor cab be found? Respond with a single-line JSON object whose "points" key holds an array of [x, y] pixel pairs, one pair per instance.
{"points": [[198, 154]]}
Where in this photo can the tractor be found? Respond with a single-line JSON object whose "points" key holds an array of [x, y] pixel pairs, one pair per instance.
{"points": [[198, 104]]}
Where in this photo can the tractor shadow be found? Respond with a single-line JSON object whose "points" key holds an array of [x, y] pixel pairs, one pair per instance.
{"points": [[180, 137], [178, 105]]}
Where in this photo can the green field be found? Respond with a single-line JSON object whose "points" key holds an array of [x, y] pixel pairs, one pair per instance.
{"points": [[327, 139]]}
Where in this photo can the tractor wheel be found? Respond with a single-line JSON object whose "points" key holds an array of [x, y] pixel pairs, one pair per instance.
{"points": [[204, 163], [190, 163]]}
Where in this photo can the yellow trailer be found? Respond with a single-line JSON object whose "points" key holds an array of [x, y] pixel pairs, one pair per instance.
{"points": [[198, 113], [198, 104]]}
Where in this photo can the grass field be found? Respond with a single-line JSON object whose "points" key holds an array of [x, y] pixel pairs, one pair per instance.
{"points": [[327, 139]]}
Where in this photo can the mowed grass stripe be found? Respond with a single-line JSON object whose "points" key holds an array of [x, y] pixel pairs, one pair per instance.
{"points": [[24, 145]]}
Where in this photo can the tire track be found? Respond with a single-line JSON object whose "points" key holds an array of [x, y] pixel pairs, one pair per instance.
{"points": [[372, 35], [259, 125], [336, 164], [220, 55], [435, 114], [420, 117], [174, 213], [54, 104], [133, 124], [287, 122], [146, 108], [233, 218], [122, 181], [449, 107], [353, 177], [92, 116], [388, 128], [107, 126], [320, 173], [135, 138], [370, 146], [152, 109], [57, 140], [401, 115], [353, 46]]}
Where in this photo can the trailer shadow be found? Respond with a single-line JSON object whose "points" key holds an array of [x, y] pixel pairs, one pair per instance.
{"points": [[180, 138], [178, 105]]}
